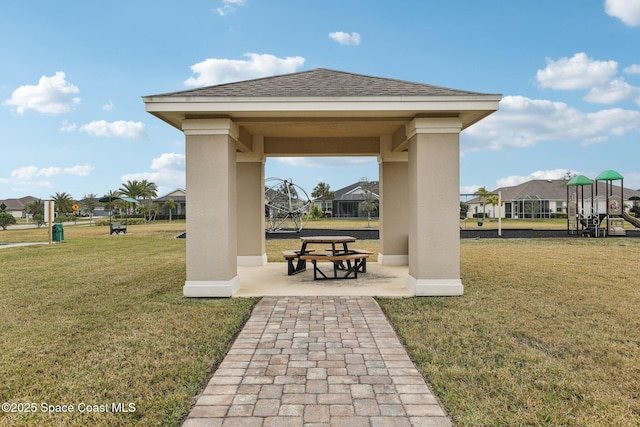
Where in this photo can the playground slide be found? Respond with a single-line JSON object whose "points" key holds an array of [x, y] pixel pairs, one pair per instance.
{"points": [[632, 220]]}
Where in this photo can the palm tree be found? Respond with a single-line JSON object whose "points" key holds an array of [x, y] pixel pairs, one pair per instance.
{"points": [[323, 192], [133, 189], [149, 189], [63, 202], [493, 201], [482, 194], [139, 189], [170, 204]]}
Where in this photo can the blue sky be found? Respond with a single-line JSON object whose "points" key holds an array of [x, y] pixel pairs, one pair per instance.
{"points": [[73, 74]]}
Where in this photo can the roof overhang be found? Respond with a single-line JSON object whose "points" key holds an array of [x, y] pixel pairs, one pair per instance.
{"points": [[269, 113]]}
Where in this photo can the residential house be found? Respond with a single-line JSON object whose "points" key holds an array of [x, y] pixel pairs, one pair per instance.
{"points": [[16, 206], [538, 198], [347, 201], [179, 196]]}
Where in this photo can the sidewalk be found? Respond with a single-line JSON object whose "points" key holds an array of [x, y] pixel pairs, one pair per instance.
{"points": [[317, 361]]}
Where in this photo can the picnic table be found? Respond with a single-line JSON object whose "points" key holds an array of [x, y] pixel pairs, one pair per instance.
{"points": [[344, 259]]}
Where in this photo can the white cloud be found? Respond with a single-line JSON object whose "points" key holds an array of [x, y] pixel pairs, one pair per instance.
{"points": [[469, 189], [347, 39], [228, 6], [67, 126], [52, 95], [214, 71], [28, 173], [167, 172], [78, 170], [25, 173], [49, 172], [599, 77], [577, 72], [510, 181], [117, 129], [632, 69], [614, 91], [628, 11], [169, 161], [108, 107], [522, 122]]}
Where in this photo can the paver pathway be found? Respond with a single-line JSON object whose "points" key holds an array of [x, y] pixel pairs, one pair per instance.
{"points": [[317, 361]]}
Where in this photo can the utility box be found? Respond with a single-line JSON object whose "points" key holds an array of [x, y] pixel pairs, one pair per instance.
{"points": [[57, 233]]}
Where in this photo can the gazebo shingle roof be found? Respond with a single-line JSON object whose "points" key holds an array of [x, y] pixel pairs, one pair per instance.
{"points": [[321, 82]]}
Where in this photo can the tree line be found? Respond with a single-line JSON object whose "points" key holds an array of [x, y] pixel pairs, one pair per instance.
{"points": [[66, 206]]}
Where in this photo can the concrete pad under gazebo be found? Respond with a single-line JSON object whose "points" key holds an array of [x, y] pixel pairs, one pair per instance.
{"points": [[412, 128]]}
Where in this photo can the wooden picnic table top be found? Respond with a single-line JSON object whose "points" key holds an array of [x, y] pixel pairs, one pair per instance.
{"points": [[327, 239]]}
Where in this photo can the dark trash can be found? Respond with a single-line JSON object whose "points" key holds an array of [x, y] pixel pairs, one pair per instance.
{"points": [[57, 233]]}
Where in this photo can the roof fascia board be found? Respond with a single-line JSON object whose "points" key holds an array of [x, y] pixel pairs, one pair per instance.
{"points": [[327, 104]]}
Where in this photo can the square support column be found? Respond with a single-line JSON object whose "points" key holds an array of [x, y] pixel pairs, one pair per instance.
{"points": [[394, 215], [251, 233], [211, 216], [434, 230]]}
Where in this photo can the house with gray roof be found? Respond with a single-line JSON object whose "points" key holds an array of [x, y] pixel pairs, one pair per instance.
{"points": [[538, 198], [346, 201], [16, 206]]}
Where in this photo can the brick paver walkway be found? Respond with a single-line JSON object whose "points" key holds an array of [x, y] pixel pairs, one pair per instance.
{"points": [[317, 361]]}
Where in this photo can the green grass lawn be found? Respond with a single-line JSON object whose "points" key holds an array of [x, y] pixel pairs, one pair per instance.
{"points": [[101, 319], [547, 332]]}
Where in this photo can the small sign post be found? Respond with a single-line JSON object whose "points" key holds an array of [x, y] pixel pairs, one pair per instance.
{"points": [[48, 217]]}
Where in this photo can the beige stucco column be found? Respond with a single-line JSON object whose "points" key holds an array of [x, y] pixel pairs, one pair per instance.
{"points": [[211, 216], [394, 199], [251, 234], [434, 233]]}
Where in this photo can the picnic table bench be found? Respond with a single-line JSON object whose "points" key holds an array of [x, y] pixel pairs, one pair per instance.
{"points": [[117, 227], [355, 262], [291, 256]]}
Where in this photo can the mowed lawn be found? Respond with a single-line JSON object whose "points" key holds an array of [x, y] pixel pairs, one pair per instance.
{"points": [[100, 320], [547, 332]]}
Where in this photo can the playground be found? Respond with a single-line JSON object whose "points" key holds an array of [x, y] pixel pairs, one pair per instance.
{"points": [[596, 208]]}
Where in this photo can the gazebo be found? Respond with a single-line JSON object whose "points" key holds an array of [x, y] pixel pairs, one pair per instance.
{"points": [[412, 128]]}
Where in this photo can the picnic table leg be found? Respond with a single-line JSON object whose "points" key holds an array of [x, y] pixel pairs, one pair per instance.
{"points": [[302, 264], [363, 265]]}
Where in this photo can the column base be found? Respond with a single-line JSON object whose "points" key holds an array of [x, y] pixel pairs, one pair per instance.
{"points": [[393, 259], [211, 288], [252, 261], [435, 287]]}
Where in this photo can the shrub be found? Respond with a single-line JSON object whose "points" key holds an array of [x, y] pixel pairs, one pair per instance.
{"points": [[64, 218], [6, 219], [129, 221]]}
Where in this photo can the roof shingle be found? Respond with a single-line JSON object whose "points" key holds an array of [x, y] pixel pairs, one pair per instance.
{"points": [[320, 82]]}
